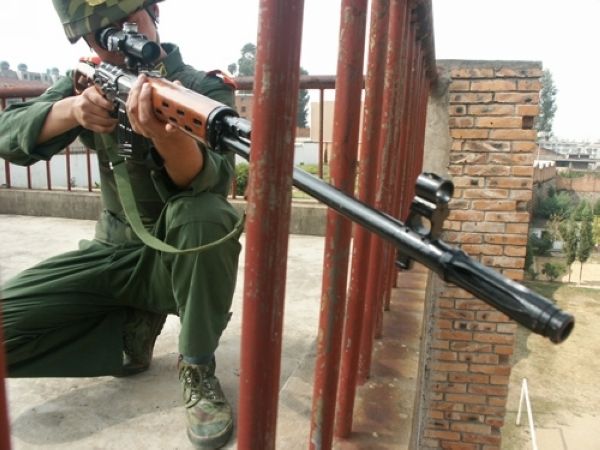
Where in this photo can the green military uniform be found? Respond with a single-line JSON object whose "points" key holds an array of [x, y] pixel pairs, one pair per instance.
{"points": [[65, 316]]}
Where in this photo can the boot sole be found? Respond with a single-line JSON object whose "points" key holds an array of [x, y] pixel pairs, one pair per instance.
{"points": [[211, 442]]}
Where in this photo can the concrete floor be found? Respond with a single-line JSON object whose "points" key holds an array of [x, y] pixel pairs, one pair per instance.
{"points": [[144, 412]]}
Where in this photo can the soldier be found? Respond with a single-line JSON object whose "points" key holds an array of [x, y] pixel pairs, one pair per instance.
{"points": [[60, 316]]}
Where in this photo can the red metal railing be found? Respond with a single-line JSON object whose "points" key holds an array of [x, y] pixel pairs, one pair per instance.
{"points": [[400, 70]]}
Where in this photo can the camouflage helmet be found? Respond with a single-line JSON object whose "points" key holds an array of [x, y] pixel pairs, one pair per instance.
{"points": [[80, 17]]}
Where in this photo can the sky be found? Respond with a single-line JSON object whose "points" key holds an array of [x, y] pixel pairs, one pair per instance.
{"points": [[562, 35]]}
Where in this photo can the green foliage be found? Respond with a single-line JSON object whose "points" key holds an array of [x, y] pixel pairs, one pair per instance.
{"points": [[597, 208], [553, 270], [582, 211], [241, 178], [531, 273], [569, 232], [554, 205], [303, 99], [547, 103], [540, 246], [586, 242], [571, 174], [596, 230]]}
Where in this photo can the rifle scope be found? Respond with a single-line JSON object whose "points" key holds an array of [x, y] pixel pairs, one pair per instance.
{"points": [[135, 46]]}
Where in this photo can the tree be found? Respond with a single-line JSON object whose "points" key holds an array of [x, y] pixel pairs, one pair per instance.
{"points": [[553, 271], [547, 104], [596, 230], [569, 233], [586, 241], [597, 208], [246, 67]]}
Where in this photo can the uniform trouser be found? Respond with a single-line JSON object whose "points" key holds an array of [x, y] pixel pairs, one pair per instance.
{"points": [[65, 316]]}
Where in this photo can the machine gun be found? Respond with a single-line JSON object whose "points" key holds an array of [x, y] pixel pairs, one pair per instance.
{"points": [[219, 128]]}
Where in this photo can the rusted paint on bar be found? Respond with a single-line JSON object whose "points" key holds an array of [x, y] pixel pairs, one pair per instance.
{"points": [[4, 422], [48, 176], [268, 218], [68, 159], [22, 89], [372, 116], [349, 86], [306, 82], [392, 89]]}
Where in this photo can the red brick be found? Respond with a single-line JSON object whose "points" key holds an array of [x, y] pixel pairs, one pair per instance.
{"points": [[492, 110], [515, 251], [500, 158], [522, 217], [506, 262], [449, 367], [459, 85], [468, 158], [447, 406], [471, 347], [497, 401], [471, 427], [464, 417], [455, 170], [469, 134], [490, 370], [445, 356], [506, 239], [476, 305], [474, 98], [528, 110], [455, 292], [461, 122], [478, 359], [522, 159], [481, 439], [491, 316], [439, 434], [517, 228], [520, 98], [454, 388], [466, 399], [468, 182], [499, 380], [521, 195], [522, 171], [504, 349], [514, 274], [510, 183], [495, 205], [529, 85], [485, 409], [468, 378], [519, 73], [493, 85], [438, 376], [494, 338], [487, 171], [440, 344], [474, 326], [458, 110], [486, 146], [483, 227], [490, 250], [524, 147], [507, 328], [486, 193], [459, 315], [486, 389], [455, 335], [513, 135], [498, 122], [464, 238], [466, 215], [458, 72], [457, 446]]}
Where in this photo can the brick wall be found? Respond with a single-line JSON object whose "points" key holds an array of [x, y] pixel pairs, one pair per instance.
{"points": [[467, 365]]}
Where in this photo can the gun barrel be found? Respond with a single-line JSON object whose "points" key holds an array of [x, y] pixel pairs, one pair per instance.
{"points": [[521, 304]]}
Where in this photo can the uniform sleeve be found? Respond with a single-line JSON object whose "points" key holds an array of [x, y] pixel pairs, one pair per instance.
{"points": [[21, 123], [217, 173]]}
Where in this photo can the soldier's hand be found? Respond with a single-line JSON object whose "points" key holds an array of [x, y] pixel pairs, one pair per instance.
{"points": [[93, 112]]}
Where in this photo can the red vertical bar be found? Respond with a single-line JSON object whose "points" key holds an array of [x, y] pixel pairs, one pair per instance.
{"points": [[267, 225], [89, 168], [321, 122], [68, 159], [349, 84], [367, 173], [398, 11], [4, 427]]}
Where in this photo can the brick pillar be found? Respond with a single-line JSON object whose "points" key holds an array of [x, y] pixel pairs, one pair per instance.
{"points": [[467, 344]]}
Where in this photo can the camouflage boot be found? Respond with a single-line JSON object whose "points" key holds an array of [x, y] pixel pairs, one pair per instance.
{"points": [[209, 416], [139, 335]]}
